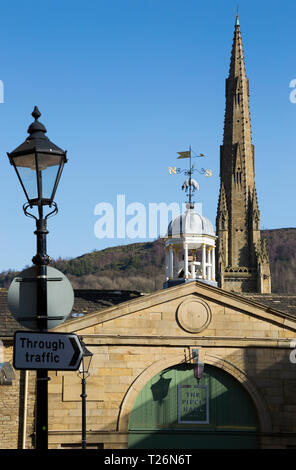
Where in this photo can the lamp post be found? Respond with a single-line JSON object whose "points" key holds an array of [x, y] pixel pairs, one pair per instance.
{"points": [[83, 374], [39, 164]]}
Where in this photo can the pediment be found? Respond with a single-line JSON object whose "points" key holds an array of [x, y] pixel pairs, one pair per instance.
{"points": [[192, 310]]}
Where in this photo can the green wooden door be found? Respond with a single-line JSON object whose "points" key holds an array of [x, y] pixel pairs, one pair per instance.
{"points": [[174, 411]]}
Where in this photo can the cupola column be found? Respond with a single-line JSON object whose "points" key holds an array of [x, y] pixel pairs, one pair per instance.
{"points": [[171, 262], [209, 263], [185, 260], [166, 270], [203, 261], [213, 264]]}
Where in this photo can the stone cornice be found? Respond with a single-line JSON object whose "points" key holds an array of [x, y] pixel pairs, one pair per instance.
{"points": [[185, 341]]}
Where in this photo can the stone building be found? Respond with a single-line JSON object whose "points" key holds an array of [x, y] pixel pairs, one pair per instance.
{"points": [[190, 366], [17, 388], [142, 391], [242, 258]]}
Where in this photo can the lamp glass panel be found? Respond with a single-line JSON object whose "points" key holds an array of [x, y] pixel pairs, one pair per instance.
{"points": [[85, 363], [29, 180], [47, 179], [48, 166]]}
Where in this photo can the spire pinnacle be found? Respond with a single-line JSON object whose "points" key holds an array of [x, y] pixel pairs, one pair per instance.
{"points": [[237, 66], [237, 18]]}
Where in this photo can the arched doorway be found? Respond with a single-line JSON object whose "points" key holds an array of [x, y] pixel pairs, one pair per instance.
{"points": [[174, 411]]}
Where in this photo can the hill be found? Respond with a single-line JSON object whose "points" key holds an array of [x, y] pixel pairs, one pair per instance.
{"points": [[137, 266], [140, 266], [282, 257]]}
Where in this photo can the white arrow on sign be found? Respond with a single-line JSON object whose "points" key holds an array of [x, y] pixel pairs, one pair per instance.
{"points": [[49, 351]]}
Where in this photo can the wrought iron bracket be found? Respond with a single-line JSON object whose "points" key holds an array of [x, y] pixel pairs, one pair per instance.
{"points": [[27, 205]]}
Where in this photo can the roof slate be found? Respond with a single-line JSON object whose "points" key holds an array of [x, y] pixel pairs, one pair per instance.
{"points": [[85, 301], [90, 300], [283, 302]]}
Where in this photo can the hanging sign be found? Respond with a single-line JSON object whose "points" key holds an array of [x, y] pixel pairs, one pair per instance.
{"points": [[193, 404]]}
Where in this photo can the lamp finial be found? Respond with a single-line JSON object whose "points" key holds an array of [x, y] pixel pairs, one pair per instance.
{"points": [[36, 127], [36, 113]]}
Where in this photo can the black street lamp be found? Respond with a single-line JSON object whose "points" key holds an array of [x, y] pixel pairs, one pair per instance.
{"points": [[38, 164], [83, 374]]}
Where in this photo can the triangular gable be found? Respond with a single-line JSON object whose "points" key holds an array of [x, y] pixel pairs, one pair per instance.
{"points": [[189, 309]]}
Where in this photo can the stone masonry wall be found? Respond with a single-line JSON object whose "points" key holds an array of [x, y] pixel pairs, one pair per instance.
{"points": [[129, 350], [12, 408]]}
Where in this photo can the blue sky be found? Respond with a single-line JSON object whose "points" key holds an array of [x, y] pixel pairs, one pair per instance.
{"points": [[123, 85]]}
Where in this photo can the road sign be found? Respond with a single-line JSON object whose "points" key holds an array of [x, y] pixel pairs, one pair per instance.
{"points": [[22, 298], [49, 351]]}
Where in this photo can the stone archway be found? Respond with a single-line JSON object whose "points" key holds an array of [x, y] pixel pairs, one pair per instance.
{"points": [[238, 374]]}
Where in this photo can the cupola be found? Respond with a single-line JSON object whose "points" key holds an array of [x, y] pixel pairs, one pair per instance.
{"points": [[190, 245]]}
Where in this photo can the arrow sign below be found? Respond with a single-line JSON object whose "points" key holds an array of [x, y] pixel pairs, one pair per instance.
{"points": [[49, 351]]}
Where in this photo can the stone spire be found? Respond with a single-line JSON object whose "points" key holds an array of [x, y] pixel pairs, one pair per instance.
{"points": [[238, 217], [237, 127]]}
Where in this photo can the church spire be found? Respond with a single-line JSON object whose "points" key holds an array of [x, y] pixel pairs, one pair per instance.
{"points": [[237, 66], [237, 149], [238, 234]]}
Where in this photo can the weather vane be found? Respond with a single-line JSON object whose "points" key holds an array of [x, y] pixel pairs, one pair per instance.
{"points": [[189, 185]]}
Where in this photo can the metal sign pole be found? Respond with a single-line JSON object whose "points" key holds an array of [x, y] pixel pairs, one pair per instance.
{"points": [[83, 412], [41, 260], [41, 156]]}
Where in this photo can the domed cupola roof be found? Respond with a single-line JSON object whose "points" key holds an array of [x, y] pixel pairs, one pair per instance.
{"points": [[190, 240], [190, 223]]}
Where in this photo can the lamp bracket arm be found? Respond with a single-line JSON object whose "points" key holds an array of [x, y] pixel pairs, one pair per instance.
{"points": [[53, 212], [27, 205]]}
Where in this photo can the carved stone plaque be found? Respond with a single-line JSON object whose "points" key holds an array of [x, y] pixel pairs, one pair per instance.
{"points": [[193, 315]]}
